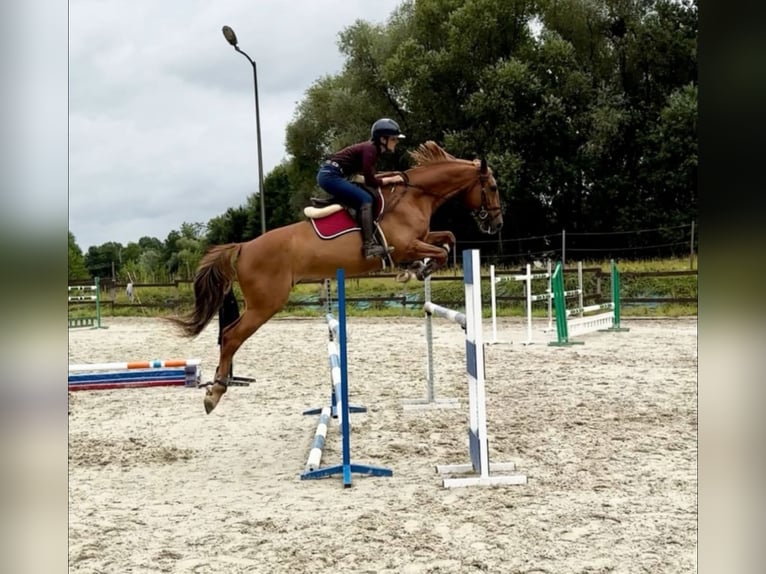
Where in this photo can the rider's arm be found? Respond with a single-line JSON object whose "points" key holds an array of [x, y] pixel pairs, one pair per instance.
{"points": [[390, 179], [369, 156]]}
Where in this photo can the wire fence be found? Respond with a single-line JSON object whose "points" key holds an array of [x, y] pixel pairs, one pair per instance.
{"points": [[637, 244]]}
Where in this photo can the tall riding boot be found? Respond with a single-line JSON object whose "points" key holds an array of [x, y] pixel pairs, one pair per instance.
{"points": [[369, 248]]}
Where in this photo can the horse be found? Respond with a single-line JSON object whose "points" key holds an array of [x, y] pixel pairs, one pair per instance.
{"points": [[269, 266]]}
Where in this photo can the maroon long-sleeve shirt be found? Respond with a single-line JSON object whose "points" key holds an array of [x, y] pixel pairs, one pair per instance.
{"points": [[359, 158]]}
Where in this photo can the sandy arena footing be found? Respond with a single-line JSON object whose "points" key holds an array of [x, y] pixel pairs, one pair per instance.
{"points": [[606, 433]]}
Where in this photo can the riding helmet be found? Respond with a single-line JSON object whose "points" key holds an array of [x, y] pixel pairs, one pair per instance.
{"points": [[385, 127]]}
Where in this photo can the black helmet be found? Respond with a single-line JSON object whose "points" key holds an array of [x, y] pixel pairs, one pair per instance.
{"points": [[385, 127]]}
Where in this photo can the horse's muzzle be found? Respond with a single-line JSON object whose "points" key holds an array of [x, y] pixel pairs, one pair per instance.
{"points": [[491, 226], [486, 223]]}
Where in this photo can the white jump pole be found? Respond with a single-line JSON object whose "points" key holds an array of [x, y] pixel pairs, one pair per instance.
{"points": [[430, 401]]}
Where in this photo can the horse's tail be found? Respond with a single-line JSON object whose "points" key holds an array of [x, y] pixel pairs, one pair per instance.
{"points": [[213, 279]]}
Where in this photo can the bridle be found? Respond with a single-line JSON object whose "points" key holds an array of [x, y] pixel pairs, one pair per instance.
{"points": [[480, 215], [483, 212]]}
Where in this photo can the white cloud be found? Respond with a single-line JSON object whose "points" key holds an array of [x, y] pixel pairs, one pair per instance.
{"points": [[161, 108]]}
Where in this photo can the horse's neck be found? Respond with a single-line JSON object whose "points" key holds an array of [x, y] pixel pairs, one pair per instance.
{"points": [[440, 182]]}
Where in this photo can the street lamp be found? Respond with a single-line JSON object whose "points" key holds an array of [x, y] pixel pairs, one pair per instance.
{"points": [[231, 38]]}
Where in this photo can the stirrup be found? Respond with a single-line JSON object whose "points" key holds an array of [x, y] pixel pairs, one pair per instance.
{"points": [[373, 251]]}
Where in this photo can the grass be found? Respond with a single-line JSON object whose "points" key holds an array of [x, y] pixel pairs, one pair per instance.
{"points": [[171, 300]]}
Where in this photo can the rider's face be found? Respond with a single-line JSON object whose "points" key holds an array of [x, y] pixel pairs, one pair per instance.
{"points": [[390, 143]]}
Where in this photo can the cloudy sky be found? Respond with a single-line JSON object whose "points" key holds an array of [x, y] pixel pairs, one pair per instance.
{"points": [[161, 107]]}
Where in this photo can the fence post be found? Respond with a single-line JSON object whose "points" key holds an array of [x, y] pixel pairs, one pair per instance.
{"points": [[98, 303], [599, 297], [691, 251], [563, 247]]}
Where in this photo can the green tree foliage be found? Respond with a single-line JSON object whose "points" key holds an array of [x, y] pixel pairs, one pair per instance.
{"points": [[76, 266], [229, 227], [152, 267], [170, 251], [190, 246], [105, 260], [243, 223], [182, 251], [148, 267], [281, 207], [670, 177], [585, 109]]}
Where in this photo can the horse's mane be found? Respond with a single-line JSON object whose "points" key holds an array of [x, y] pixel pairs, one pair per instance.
{"points": [[429, 153]]}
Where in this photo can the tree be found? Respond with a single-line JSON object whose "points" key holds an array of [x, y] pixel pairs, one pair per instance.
{"points": [[283, 204], [585, 110], [170, 253], [671, 164], [152, 266], [104, 260], [230, 227], [76, 265], [183, 249], [190, 247]]}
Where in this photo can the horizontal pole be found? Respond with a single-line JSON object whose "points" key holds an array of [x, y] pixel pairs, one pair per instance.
{"points": [[589, 308], [444, 313], [156, 364], [320, 435]]}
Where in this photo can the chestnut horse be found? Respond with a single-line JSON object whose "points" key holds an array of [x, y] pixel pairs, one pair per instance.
{"points": [[268, 266]]}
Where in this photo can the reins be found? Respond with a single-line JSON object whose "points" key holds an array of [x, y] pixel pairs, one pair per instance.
{"points": [[441, 199], [479, 214]]}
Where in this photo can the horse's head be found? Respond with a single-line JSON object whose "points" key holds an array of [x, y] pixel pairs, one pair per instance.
{"points": [[442, 176], [483, 199]]}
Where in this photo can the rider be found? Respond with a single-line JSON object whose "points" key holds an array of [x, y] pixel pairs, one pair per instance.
{"points": [[360, 158]]}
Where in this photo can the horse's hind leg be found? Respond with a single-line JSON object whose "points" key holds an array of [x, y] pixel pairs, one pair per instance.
{"points": [[232, 339]]}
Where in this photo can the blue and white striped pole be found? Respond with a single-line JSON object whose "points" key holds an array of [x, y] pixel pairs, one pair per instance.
{"points": [[337, 350], [474, 353]]}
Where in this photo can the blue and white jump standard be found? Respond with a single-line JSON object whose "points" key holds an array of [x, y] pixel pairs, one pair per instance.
{"points": [[337, 352], [478, 448]]}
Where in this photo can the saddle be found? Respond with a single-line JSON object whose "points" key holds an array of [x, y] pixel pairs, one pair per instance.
{"points": [[331, 218]]}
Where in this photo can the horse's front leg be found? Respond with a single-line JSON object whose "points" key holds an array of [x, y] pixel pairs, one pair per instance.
{"points": [[436, 255], [444, 239]]}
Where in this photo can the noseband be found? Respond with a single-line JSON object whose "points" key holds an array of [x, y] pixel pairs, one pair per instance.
{"points": [[483, 212]]}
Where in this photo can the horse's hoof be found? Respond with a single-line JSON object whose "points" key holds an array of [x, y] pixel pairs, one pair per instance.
{"points": [[404, 277], [212, 396]]}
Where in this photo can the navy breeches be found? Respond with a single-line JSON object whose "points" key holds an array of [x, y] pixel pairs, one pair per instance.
{"points": [[332, 181]]}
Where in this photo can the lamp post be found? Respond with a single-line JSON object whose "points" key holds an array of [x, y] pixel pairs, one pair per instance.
{"points": [[231, 38]]}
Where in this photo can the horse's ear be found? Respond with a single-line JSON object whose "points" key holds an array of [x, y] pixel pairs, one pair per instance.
{"points": [[483, 167]]}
